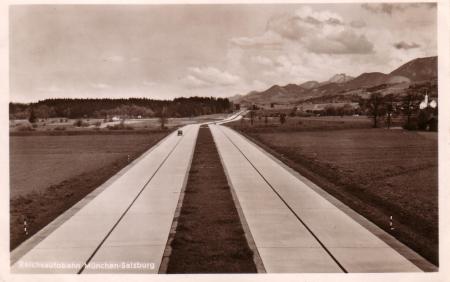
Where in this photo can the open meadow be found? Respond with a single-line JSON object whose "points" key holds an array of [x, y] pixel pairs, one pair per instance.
{"points": [[96, 124], [38, 162], [377, 172]]}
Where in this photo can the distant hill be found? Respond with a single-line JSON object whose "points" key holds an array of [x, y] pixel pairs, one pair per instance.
{"points": [[276, 93], [395, 79], [367, 79], [235, 97], [417, 70], [340, 78], [309, 84]]}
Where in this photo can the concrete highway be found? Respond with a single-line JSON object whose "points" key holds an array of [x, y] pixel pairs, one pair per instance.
{"points": [[292, 228]]}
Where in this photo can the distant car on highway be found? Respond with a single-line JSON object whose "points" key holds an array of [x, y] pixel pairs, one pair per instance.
{"points": [[180, 132]]}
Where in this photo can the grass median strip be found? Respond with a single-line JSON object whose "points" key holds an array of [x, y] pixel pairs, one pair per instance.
{"points": [[209, 237]]}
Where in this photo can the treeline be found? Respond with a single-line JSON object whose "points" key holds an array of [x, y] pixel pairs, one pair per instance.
{"points": [[419, 113], [131, 107]]}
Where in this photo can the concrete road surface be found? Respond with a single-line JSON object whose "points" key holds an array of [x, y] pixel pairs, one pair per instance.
{"points": [[294, 228], [125, 228]]}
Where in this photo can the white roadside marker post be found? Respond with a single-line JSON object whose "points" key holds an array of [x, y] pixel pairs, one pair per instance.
{"points": [[25, 227]]}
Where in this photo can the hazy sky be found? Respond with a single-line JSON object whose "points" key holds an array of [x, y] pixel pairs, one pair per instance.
{"points": [[207, 50]]}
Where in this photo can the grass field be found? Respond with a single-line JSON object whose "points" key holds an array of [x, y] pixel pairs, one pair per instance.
{"points": [[96, 124], [48, 174], [302, 124], [378, 172]]}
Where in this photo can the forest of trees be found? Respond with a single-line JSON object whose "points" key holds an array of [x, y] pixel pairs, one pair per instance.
{"points": [[131, 107]]}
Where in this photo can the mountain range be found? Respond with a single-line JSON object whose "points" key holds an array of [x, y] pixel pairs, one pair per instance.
{"points": [[414, 71]]}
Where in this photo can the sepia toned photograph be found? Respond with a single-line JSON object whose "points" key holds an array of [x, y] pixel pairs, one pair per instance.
{"points": [[235, 138]]}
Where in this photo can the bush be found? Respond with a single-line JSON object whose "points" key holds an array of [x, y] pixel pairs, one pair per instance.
{"points": [[80, 123], [410, 126], [34, 125], [433, 124], [32, 118], [120, 126], [98, 123], [422, 120]]}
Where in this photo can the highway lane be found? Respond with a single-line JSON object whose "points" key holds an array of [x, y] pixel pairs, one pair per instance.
{"points": [[141, 236]]}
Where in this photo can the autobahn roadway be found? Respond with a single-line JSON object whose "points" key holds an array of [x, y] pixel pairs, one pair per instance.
{"points": [[292, 228]]}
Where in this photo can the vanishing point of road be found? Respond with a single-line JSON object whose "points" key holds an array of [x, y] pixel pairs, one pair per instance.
{"points": [[291, 226]]}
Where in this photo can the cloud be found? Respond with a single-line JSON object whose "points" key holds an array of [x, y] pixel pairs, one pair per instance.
{"points": [[389, 9], [194, 82], [268, 40], [114, 59], [406, 46], [50, 89], [318, 17], [292, 26], [257, 85], [358, 24], [320, 32], [344, 42], [100, 85], [209, 76], [296, 25], [262, 60], [148, 83]]}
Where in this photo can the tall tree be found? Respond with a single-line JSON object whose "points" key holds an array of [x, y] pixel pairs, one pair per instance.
{"points": [[389, 106], [375, 107], [32, 117], [162, 117], [410, 105], [282, 118], [252, 117]]}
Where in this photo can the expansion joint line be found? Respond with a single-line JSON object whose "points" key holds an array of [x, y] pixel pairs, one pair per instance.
{"points": [[129, 206], [287, 205]]}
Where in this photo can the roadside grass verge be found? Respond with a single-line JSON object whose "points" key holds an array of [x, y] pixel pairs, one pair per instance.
{"points": [[209, 236]]}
